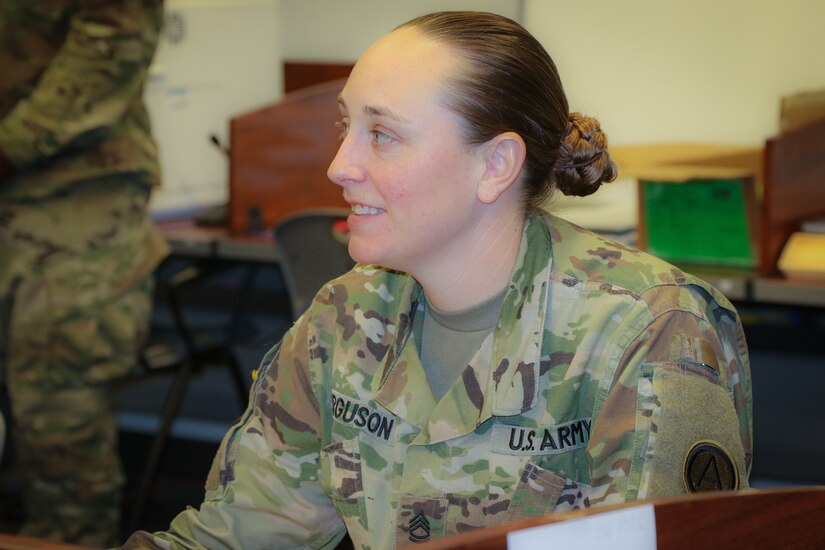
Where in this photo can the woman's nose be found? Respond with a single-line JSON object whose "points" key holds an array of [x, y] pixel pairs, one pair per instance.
{"points": [[345, 167]]}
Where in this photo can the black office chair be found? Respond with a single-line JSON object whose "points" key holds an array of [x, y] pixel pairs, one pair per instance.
{"points": [[311, 249], [184, 350]]}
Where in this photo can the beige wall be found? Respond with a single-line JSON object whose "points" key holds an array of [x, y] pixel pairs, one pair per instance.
{"points": [[651, 70], [704, 70], [340, 30]]}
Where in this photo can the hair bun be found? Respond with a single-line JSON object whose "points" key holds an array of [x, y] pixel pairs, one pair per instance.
{"points": [[584, 162]]}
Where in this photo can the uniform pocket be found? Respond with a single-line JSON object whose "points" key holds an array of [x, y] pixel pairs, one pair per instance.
{"points": [[536, 493], [57, 346], [540, 492], [103, 341], [343, 482]]}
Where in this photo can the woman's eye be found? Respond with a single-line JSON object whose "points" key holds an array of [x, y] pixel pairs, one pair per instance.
{"points": [[380, 138], [343, 128]]}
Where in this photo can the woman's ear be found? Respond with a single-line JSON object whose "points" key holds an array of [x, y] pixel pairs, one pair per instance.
{"points": [[504, 158]]}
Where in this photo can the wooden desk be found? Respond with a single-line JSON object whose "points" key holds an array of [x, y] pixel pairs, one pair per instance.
{"points": [[768, 518], [189, 240], [16, 542]]}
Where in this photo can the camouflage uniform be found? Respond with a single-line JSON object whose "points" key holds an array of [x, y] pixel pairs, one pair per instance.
{"points": [[77, 247], [607, 368]]}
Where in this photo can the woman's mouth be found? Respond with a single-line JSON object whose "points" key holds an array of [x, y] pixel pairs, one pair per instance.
{"points": [[361, 209]]}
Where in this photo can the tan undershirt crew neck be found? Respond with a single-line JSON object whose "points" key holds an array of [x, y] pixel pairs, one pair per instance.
{"points": [[450, 339]]}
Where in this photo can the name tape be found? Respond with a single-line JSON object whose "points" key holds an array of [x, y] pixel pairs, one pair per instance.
{"points": [[351, 412]]}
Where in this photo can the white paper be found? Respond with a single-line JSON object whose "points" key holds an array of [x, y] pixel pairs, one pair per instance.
{"points": [[633, 528]]}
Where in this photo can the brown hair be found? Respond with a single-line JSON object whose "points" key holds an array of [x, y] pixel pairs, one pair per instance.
{"points": [[510, 84]]}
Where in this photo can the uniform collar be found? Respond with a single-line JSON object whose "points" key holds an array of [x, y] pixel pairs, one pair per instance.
{"points": [[502, 378]]}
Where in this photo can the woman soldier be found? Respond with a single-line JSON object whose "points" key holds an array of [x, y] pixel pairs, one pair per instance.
{"points": [[485, 361]]}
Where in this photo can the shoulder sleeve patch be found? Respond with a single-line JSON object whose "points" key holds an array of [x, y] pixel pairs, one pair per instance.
{"points": [[709, 467]]}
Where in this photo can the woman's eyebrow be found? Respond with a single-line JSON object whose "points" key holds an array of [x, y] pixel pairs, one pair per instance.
{"points": [[384, 112], [376, 111]]}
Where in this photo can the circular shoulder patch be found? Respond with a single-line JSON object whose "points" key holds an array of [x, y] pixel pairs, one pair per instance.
{"points": [[709, 467]]}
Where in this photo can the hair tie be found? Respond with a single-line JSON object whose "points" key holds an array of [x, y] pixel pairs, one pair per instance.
{"points": [[567, 129], [569, 164]]}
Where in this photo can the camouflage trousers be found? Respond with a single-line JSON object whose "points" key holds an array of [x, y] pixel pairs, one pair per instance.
{"points": [[75, 303]]}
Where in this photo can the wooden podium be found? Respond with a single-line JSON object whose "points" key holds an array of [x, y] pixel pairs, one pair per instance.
{"points": [[279, 156], [752, 519], [794, 175]]}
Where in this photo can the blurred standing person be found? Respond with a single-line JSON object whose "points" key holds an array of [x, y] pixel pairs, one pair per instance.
{"points": [[77, 247]]}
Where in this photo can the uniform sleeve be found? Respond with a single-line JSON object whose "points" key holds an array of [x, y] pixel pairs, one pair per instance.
{"points": [[677, 418], [88, 85], [263, 489]]}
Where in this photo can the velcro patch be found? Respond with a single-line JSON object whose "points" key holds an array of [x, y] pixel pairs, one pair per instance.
{"points": [[548, 440], [709, 467]]}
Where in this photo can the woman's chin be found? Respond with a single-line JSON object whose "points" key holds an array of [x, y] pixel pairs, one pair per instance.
{"points": [[363, 253], [367, 253]]}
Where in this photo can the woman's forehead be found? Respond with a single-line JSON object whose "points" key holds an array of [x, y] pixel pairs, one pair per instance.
{"points": [[402, 65]]}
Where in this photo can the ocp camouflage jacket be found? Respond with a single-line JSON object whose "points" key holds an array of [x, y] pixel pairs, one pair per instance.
{"points": [[611, 376]]}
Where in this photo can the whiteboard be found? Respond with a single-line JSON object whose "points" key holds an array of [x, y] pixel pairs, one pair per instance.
{"points": [[216, 59]]}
